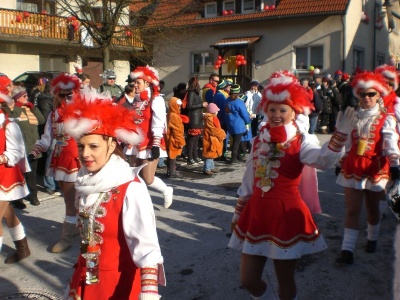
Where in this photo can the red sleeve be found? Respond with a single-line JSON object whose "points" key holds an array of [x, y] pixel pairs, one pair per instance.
{"points": [[216, 122]]}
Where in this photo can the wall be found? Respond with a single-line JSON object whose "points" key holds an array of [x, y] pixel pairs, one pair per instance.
{"points": [[15, 64], [274, 51], [8, 4]]}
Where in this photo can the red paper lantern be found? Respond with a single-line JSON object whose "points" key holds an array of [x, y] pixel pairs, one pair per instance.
{"points": [[272, 7], [231, 12], [18, 18], [69, 19], [128, 33], [43, 12], [219, 57], [244, 62], [238, 63], [223, 61], [26, 14], [266, 7], [225, 12]]}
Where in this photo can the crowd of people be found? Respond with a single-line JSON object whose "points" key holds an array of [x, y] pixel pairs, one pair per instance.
{"points": [[87, 136]]}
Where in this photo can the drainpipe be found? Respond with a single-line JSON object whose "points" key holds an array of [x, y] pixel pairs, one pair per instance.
{"points": [[344, 45], [374, 39]]}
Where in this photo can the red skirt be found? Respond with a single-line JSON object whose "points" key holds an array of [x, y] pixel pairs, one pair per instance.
{"points": [[113, 284]]}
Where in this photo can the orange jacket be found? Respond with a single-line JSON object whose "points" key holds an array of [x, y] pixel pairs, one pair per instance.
{"points": [[175, 130], [213, 136]]}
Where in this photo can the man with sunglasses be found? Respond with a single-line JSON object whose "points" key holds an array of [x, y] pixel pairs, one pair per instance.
{"points": [[110, 86], [28, 118], [210, 88]]}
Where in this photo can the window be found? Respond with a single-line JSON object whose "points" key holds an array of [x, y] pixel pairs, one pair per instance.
{"points": [[202, 62], [380, 59], [358, 58], [247, 6], [211, 10], [25, 5], [309, 56], [229, 5]]}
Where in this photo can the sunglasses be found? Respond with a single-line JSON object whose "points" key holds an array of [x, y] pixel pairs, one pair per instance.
{"points": [[370, 94], [65, 95]]}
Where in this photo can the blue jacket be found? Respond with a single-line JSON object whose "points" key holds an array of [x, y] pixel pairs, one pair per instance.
{"points": [[220, 100], [236, 116]]}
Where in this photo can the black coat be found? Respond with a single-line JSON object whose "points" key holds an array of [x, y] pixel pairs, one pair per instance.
{"points": [[45, 105], [194, 106], [317, 104]]}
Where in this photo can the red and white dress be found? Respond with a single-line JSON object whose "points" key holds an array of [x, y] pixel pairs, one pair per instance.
{"points": [[275, 222], [151, 118], [64, 164], [370, 169], [12, 180], [118, 213]]}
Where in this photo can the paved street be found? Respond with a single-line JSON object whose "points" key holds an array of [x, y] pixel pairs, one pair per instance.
{"points": [[193, 236]]}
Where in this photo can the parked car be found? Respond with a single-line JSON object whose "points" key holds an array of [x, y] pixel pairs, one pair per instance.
{"points": [[30, 79]]}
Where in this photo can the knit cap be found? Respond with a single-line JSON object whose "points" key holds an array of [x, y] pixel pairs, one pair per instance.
{"points": [[235, 89], [212, 108]]}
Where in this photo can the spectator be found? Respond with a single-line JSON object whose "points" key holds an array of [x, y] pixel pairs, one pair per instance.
{"points": [[254, 98], [28, 118], [220, 97], [236, 119], [327, 95], [195, 126], [110, 86], [336, 100], [213, 139], [85, 80], [209, 89], [317, 102]]}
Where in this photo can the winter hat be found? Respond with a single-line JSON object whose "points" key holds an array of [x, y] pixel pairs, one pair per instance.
{"points": [[285, 89], [229, 81], [212, 108], [92, 115], [18, 92], [369, 80], [243, 97], [338, 72], [345, 76], [222, 84], [65, 81], [285, 75], [235, 89], [147, 73], [254, 82], [390, 73], [109, 74], [4, 82]]}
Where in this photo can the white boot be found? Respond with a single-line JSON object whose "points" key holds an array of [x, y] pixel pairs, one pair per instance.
{"points": [[268, 295], [167, 191]]}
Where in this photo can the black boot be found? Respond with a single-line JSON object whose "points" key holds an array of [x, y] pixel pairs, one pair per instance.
{"points": [[345, 257], [22, 251]]}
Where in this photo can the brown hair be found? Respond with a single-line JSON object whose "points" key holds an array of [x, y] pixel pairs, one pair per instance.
{"points": [[194, 85], [118, 149]]}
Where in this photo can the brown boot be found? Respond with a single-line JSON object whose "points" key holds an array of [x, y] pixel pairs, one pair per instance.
{"points": [[22, 251], [68, 231]]}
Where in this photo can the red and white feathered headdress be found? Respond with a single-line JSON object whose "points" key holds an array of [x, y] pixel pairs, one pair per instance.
{"points": [[369, 80], [4, 82], [389, 72], [147, 73], [284, 88], [65, 81], [90, 115]]}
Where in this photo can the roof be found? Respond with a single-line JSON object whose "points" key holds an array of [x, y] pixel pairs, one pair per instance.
{"points": [[174, 13], [229, 42]]}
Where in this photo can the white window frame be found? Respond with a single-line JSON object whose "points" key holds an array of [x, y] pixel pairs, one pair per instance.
{"points": [[247, 11], [224, 5], [212, 4], [205, 55], [308, 62], [32, 7]]}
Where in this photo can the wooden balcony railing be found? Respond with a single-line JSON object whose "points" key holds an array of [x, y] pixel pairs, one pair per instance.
{"points": [[18, 23]]}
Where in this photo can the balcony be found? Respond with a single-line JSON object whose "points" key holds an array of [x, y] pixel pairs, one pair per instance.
{"points": [[49, 29]]}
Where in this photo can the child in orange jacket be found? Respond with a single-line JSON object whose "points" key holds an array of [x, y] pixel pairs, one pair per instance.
{"points": [[213, 138], [175, 135]]}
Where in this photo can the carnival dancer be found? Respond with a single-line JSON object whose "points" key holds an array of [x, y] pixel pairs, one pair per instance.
{"points": [[151, 118], [120, 254], [13, 164], [372, 157], [64, 163], [271, 220]]}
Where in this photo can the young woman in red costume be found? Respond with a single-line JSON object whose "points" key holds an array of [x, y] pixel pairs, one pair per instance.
{"points": [[150, 116], [64, 163], [13, 164], [271, 220], [372, 158], [116, 215]]}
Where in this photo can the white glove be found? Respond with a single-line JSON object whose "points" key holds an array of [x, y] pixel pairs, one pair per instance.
{"points": [[149, 296], [345, 123]]}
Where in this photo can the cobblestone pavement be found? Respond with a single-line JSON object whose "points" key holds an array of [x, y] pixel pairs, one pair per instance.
{"points": [[193, 236]]}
